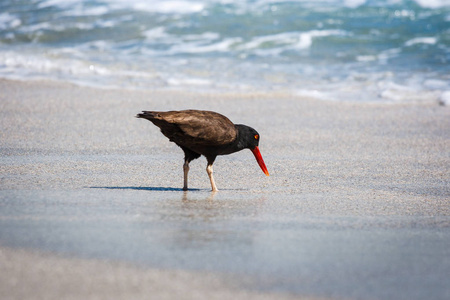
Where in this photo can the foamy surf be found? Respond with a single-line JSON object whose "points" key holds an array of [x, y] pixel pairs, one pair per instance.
{"points": [[358, 50]]}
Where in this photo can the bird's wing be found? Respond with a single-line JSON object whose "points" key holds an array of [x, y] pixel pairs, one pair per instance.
{"points": [[203, 128]]}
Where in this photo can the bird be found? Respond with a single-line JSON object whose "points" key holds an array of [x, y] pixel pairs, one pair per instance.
{"points": [[207, 133]]}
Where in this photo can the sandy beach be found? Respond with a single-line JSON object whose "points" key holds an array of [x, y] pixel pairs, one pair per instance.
{"points": [[357, 205]]}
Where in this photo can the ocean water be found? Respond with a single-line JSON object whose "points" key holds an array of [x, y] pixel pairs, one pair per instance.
{"points": [[357, 50]]}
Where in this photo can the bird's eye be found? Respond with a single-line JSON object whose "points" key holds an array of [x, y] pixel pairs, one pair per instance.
{"points": [[256, 136]]}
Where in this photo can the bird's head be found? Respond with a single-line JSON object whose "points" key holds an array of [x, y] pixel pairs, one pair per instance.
{"points": [[249, 138]]}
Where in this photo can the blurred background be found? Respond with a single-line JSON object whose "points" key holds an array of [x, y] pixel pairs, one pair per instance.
{"points": [[357, 50]]}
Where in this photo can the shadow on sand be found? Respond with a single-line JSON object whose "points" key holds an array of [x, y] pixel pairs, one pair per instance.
{"points": [[143, 188]]}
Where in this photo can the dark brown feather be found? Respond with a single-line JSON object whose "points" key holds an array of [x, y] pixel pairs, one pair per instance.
{"points": [[194, 128]]}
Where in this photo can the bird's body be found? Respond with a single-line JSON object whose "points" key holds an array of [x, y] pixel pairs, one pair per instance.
{"points": [[205, 133]]}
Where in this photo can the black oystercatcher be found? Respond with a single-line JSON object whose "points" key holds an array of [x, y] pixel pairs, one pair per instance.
{"points": [[205, 133]]}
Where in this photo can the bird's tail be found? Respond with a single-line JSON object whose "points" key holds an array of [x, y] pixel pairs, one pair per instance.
{"points": [[149, 115]]}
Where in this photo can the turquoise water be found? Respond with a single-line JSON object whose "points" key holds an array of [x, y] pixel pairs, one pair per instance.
{"points": [[360, 50]]}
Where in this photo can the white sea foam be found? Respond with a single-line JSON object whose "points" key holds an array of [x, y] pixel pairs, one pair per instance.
{"points": [[206, 36], [8, 21], [78, 10], [58, 3], [386, 55], [321, 4], [436, 84], [276, 39], [412, 92], [306, 38], [77, 7], [155, 33], [433, 3], [396, 92], [31, 64], [36, 30], [275, 44], [366, 58], [188, 81], [39, 26], [421, 40], [316, 94], [200, 47], [160, 6], [354, 3], [324, 4]]}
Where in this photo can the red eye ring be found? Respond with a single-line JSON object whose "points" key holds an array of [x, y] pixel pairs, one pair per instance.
{"points": [[256, 136]]}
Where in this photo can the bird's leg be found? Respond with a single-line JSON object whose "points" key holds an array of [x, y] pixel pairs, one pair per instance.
{"points": [[209, 170], [186, 171], [188, 157]]}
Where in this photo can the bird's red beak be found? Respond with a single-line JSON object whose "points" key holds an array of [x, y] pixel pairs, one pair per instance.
{"points": [[260, 160]]}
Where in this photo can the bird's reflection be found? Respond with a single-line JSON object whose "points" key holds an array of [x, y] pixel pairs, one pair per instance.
{"points": [[202, 222], [209, 198]]}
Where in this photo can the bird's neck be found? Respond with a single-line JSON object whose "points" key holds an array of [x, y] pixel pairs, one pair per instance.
{"points": [[241, 142]]}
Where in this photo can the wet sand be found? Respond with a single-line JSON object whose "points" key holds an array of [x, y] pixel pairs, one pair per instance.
{"points": [[356, 207], [31, 275]]}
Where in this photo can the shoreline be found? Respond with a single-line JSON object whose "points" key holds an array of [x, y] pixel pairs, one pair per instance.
{"points": [[245, 93]]}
